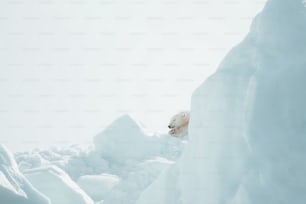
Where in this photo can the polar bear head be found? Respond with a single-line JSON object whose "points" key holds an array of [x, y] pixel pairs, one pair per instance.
{"points": [[179, 124], [179, 120]]}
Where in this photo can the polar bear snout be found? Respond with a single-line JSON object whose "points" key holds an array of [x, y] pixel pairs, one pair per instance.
{"points": [[169, 126]]}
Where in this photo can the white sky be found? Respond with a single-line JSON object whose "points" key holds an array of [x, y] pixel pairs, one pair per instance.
{"points": [[69, 68]]}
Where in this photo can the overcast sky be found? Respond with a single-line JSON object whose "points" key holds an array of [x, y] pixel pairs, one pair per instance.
{"points": [[68, 68]]}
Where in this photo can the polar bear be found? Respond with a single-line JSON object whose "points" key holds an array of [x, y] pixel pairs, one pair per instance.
{"points": [[179, 124]]}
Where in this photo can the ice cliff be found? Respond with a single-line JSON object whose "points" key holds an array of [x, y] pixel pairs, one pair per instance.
{"points": [[247, 129]]}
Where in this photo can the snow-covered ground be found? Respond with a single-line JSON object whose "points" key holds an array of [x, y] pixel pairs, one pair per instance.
{"points": [[122, 162], [246, 142]]}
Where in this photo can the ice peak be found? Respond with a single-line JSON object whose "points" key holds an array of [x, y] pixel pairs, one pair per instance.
{"points": [[127, 120]]}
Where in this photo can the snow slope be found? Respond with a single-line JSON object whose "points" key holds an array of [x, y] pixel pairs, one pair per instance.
{"points": [[14, 187], [247, 129]]}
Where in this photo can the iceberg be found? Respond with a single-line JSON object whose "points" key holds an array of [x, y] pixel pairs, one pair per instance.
{"points": [[247, 127]]}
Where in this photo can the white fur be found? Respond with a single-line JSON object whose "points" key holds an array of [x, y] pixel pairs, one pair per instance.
{"points": [[179, 124]]}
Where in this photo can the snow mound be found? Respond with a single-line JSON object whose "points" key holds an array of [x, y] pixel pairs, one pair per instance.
{"points": [[57, 185], [14, 187], [247, 128]]}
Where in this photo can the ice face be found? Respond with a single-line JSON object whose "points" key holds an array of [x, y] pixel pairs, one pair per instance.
{"points": [[248, 120], [248, 117]]}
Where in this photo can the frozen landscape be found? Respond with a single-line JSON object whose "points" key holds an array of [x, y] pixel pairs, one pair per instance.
{"points": [[122, 162], [246, 140]]}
